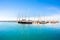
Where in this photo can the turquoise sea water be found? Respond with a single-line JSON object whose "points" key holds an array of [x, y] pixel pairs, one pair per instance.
{"points": [[15, 31]]}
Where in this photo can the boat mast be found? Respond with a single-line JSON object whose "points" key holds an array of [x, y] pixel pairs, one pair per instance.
{"points": [[17, 17]]}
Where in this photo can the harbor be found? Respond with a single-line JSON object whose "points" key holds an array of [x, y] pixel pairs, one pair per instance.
{"points": [[36, 21], [32, 21]]}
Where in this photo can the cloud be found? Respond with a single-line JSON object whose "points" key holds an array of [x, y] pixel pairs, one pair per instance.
{"points": [[3, 18], [53, 17], [54, 9]]}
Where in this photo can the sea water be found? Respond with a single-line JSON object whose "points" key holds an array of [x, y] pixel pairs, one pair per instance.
{"points": [[15, 31]]}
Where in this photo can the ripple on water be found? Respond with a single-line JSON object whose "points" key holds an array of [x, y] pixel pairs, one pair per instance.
{"points": [[15, 31]]}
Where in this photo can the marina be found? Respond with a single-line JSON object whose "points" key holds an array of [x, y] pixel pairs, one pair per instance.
{"points": [[31, 21], [38, 21]]}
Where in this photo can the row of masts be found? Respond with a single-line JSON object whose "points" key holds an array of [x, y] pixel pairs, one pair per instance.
{"points": [[38, 21], [33, 20]]}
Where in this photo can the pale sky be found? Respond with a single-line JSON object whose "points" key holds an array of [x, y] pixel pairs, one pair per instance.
{"points": [[11, 9]]}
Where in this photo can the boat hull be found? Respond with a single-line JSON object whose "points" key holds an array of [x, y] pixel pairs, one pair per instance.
{"points": [[25, 22]]}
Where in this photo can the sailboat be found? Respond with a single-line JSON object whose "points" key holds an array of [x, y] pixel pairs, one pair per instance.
{"points": [[24, 21]]}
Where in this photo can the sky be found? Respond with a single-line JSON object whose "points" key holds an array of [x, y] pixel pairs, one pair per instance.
{"points": [[11, 9]]}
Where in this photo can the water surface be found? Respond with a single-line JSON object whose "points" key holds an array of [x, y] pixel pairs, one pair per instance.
{"points": [[15, 31]]}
